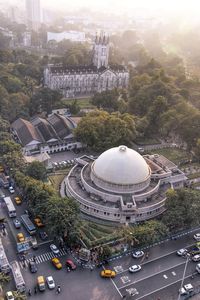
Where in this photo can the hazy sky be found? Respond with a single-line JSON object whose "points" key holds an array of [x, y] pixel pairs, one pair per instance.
{"points": [[188, 8]]}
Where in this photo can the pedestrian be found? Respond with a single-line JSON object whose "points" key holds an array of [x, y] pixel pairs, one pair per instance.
{"points": [[91, 268], [58, 289], [35, 289], [34, 258], [29, 292]]}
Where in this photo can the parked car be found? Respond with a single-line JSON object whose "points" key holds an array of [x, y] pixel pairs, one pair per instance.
{"points": [[9, 296], [70, 264], [38, 222], [54, 249], [197, 237], [181, 252], [32, 267], [18, 200], [20, 237], [135, 268], [138, 254], [56, 262], [11, 189], [108, 274], [50, 282], [17, 223], [43, 235]]}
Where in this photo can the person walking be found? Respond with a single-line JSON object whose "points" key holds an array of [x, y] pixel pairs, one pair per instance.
{"points": [[35, 289], [29, 292], [58, 289]]}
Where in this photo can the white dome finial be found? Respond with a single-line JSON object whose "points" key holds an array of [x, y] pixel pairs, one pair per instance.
{"points": [[122, 148]]}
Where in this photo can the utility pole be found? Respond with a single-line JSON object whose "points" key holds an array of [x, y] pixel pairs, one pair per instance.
{"points": [[186, 263]]}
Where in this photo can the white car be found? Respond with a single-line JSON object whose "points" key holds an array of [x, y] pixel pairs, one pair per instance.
{"points": [[197, 237], [54, 249], [50, 282], [135, 268], [9, 296], [186, 289], [181, 252], [196, 257], [138, 254], [17, 223], [11, 190]]}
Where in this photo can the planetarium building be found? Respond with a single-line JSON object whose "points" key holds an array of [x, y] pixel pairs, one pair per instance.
{"points": [[122, 186]]}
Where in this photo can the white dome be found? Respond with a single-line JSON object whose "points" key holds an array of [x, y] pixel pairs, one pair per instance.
{"points": [[121, 165]]}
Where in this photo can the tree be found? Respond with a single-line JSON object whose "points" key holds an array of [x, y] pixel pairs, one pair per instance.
{"points": [[182, 209], [98, 130], [37, 170], [106, 100], [4, 278], [19, 296], [62, 217]]}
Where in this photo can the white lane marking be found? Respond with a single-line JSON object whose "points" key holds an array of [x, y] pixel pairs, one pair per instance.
{"points": [[157, 290], [141, 279], [115, 285], [118, 269], [174, 273], [165, 276], [162, 256]]}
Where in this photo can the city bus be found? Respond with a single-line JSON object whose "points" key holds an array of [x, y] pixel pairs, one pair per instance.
{"points": [[4, 263], [18, 278], [10, 207], [28, 224]]}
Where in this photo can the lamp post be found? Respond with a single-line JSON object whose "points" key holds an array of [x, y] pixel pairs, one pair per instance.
{"points": [[184, 272]]}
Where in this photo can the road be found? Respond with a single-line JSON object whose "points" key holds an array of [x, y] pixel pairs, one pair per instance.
{"points": [[160, 276]]}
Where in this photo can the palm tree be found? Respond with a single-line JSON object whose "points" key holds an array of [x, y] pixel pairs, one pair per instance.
{"points": [[4, 278], [19, 296]]}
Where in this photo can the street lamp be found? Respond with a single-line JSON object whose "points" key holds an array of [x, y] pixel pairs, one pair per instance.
{"points": [[184, 272]]}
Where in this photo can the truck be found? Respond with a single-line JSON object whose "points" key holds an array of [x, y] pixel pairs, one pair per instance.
{"points": [[84, 254], [18, 278], [4, 263]]}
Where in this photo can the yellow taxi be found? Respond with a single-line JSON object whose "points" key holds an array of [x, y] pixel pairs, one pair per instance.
{"points": [[18, 200], [20, 237], [56, 262], [108, 274], [38, 222]]}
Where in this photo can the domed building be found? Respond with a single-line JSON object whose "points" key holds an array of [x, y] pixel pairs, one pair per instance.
{"points": [[123, 186]]}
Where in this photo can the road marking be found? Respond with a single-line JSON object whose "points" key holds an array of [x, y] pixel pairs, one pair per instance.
{"points": [[44, 257], [174, 273], [125, 279], [154, 259], [157, 290], [115, 285], [182, 263], [118, 269], [165, 276]]}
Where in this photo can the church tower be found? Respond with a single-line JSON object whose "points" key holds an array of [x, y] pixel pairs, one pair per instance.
{"points": [[101, 51]]}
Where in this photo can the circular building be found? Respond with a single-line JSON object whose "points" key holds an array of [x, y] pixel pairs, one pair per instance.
{"points": [[121, 185]]}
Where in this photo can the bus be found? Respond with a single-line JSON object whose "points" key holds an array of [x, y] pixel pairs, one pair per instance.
{"points": [[28, 224], [19, 280], [4, 263], [10, 207]]}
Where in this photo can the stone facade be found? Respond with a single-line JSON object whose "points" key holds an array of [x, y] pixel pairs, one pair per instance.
{"points": [[87, 80]]}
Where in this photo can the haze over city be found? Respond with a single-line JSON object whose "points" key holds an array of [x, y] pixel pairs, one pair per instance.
{"points": [[99, 149]]}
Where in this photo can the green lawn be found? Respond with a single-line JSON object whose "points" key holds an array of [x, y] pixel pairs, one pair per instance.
{"points": [[147, 141], [174, 154], [57, 177], [83, 102]]}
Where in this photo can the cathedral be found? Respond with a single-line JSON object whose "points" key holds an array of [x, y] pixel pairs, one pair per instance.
{"points": [[80, 81]]}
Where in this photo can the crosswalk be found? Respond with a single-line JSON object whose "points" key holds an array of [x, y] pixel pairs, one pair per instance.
{"points": [[42, 258]]}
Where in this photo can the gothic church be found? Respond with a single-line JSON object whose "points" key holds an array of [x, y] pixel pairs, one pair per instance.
{"points": [[80, 81]]}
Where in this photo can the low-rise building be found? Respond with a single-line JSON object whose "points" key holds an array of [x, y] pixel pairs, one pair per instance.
{"points": [[49, 135]]}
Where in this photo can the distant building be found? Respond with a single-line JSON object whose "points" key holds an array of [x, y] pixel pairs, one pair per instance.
{"points": [[49, 135], [33, 14], [27, 39], [74, 36], [79, 81]]}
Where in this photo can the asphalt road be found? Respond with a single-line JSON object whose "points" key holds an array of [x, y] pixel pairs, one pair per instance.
{"points": [[160, 276]]}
